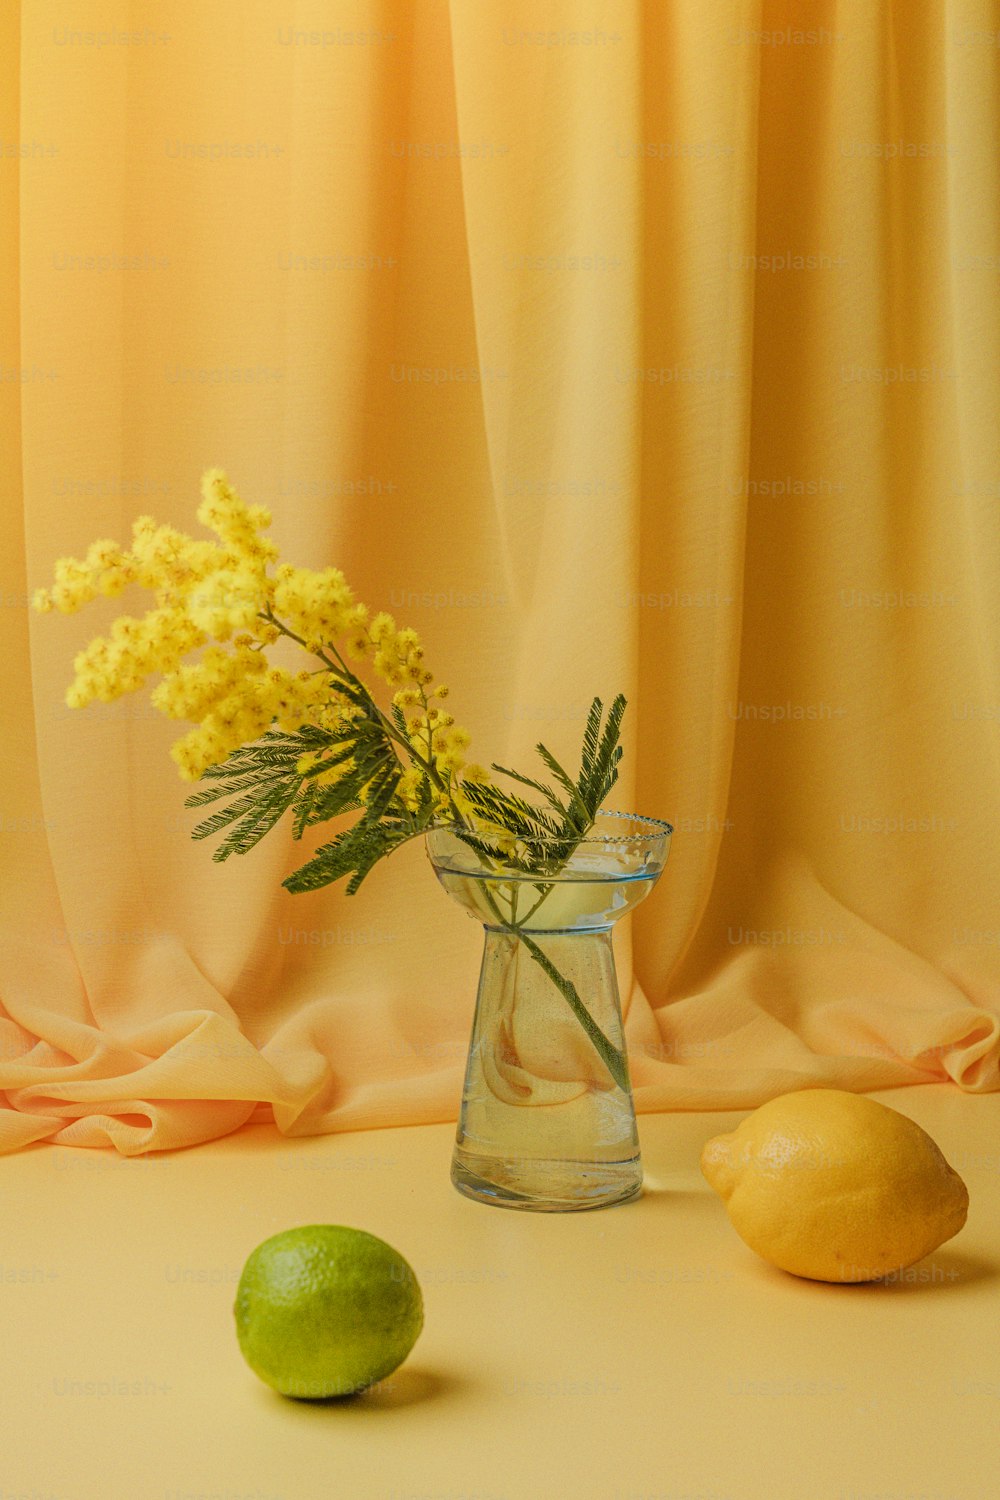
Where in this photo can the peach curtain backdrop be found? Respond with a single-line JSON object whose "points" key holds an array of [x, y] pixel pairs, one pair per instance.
{"points": [[654, 350]]}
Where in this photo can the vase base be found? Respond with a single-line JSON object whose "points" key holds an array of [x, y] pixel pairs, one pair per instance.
{"points": [[546, 1186]]}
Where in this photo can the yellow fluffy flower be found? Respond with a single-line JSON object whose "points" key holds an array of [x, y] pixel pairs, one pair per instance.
{"points": [[409, 788], [228, 601], [220, 596], [317, 606], [335, 773]]}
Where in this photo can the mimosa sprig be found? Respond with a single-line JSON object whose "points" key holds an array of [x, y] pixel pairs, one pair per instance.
{"points": [[316, 743]]}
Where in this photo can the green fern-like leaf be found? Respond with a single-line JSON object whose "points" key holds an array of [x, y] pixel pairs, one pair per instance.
{"points": [[563, 777], [548, 836], [510, 812], [263, 781], [259, 820], [599, 767], [353, 853], [326, 802], [224, 816], [228, 788], [536, 786]]}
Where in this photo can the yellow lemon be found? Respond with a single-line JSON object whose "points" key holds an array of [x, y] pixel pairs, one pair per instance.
{"points": [[835, 1186]]}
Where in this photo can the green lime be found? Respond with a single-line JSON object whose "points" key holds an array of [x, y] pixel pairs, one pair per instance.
{"points": [[326, 1311]]}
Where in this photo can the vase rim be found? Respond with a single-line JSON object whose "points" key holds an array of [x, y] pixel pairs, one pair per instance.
{"points": [[634, 828], [646, 827]]}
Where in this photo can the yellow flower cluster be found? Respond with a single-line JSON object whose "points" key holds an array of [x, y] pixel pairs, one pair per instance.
{"points": [[219, 593], [409, 788], [120, 663], [320, 607], [399, 656], [235, 698], [204, 591]]}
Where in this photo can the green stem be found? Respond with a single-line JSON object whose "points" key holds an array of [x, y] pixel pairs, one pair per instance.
{"points": [[613, 1060], [609, 1054]]}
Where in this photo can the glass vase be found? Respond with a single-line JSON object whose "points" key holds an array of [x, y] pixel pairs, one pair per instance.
{"points": [[547, 1120]]}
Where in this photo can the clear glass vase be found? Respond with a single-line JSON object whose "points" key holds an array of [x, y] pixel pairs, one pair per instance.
{"points": [[547, 1120]]}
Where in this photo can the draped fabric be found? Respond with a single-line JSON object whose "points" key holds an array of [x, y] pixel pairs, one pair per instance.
{"points": [[643, 345]]}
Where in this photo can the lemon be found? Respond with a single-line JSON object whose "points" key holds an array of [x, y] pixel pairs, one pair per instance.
{"points": [[835, 1186], [326, 1311]]}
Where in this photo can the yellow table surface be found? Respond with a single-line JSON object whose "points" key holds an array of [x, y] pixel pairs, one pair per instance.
{"points": [[636, 1352]]}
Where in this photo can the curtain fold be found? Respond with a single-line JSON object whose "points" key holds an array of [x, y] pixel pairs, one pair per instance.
{"points": [[647, 347]]}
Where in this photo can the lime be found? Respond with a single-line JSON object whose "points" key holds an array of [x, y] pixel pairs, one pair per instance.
{"points": [[326, 1311]]}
